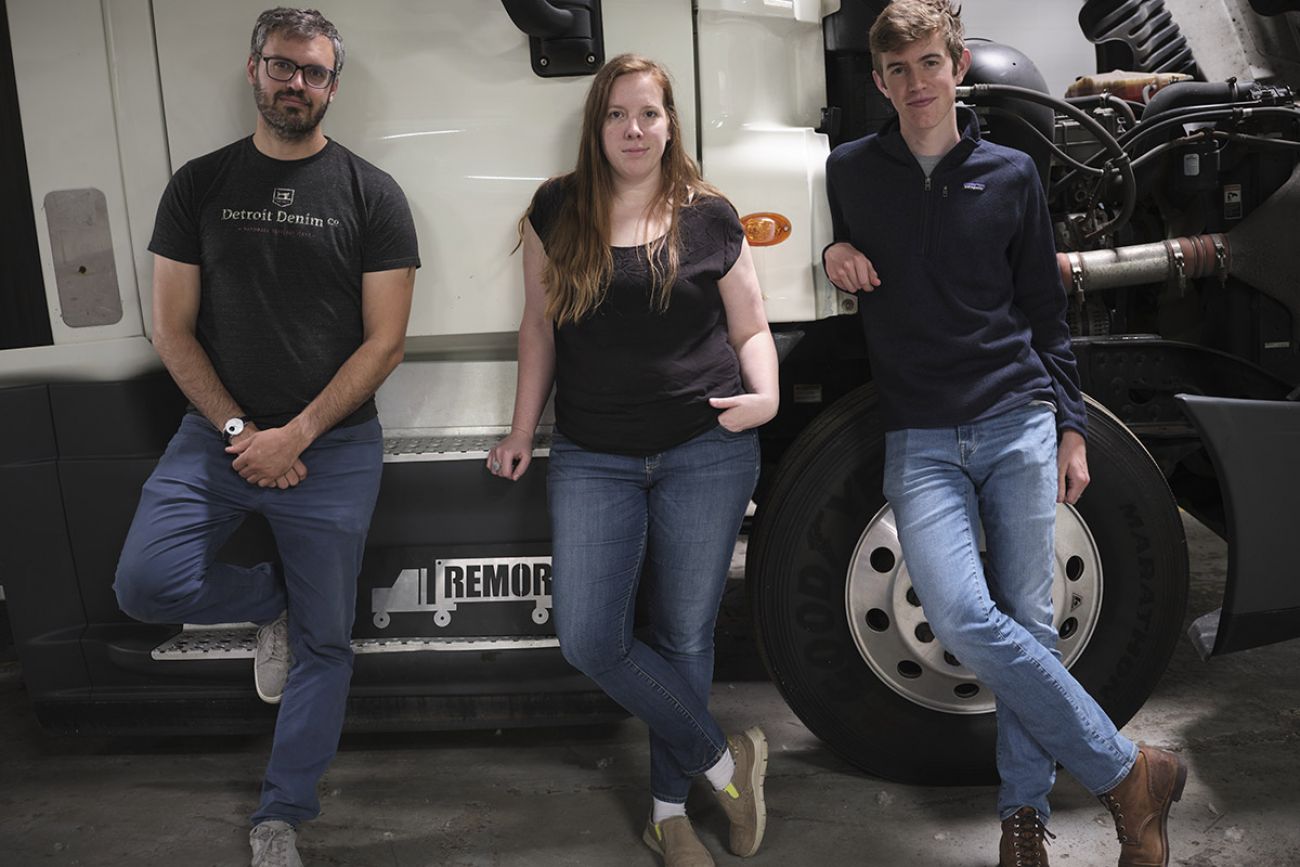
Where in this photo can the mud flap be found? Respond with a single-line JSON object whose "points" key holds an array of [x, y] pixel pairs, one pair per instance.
{"points": [[1255, 447]]}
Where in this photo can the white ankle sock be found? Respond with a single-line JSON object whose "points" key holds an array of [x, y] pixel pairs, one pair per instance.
{"points": [[665, 810], [720, 774]]}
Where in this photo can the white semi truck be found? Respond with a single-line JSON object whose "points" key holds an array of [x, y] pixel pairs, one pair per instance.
{"points": [[1175, 209]]}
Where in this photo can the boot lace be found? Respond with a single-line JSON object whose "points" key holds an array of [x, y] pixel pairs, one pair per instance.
{"points": [[1116, 813], [277, 843], [1027, 839], [276, 636]]}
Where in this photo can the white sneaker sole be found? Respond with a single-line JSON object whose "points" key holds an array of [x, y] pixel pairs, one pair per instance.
{"points": [[269, 699], [757, 775]]}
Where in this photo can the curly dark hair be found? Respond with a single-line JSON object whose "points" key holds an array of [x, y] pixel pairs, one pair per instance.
{"points": [[298, 24]]}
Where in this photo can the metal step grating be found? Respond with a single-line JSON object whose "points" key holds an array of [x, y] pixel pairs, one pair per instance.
{"points": [[218, 642], [455, 447], [201, 643]]}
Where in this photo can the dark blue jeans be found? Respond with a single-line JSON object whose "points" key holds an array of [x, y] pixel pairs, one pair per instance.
{"points": [[677, 514], [189, 507]]}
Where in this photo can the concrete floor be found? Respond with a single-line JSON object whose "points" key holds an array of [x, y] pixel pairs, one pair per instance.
{"points": [[577, 796]]}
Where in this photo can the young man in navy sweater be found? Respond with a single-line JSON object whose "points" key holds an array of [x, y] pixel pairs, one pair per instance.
{"points": [[948, 242]]}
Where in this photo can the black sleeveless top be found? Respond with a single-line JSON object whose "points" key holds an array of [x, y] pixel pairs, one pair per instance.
{"points": [[634, 381]]}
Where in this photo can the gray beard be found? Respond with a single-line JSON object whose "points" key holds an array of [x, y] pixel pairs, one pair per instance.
{"points": [[289, 127]]}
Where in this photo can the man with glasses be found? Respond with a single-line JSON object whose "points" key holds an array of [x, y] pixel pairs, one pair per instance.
{"points": [[283, 271]]}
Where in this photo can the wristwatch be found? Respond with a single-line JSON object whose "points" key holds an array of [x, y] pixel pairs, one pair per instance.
{"points": [[232, 428]]}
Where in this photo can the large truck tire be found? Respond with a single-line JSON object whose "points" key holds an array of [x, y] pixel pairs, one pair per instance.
{"points": [[846, 642]]}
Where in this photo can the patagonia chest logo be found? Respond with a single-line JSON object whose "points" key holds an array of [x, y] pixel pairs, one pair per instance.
{"points": [[973, 186], [282, 197]]}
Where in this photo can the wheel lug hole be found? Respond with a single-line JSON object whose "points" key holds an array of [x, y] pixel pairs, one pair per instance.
{"points": [[924, 633], [1074, 568], [909, 669], [1069, 627], [966, 690], [912, 598], [877, 620], [882, 560], [951, 660]]}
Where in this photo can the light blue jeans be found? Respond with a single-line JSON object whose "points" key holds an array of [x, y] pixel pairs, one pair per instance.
{"points": [[997, 617], [677, 514], [167, 573]]}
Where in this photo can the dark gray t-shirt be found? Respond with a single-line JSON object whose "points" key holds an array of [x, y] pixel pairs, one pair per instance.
{"points": [[281, 246]]}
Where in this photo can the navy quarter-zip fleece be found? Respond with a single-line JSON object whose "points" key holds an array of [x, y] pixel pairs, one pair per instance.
{"points": [[969, 319]]}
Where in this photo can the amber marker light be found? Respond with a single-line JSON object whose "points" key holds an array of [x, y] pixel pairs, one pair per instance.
{"points": [[765, 229]]}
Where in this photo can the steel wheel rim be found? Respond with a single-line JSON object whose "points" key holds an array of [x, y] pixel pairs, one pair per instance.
{"points": [[889, 626]]}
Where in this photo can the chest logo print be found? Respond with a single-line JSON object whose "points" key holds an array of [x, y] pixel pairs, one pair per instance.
{"points": [[282, 197], [975, 186]]}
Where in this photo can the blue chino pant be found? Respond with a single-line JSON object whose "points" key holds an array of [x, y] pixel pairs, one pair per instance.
{"points": [[942, 484], [189, 507], [677, 514]]}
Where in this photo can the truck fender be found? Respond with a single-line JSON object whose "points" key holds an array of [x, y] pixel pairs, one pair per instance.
{"points": [[1252, 444]]}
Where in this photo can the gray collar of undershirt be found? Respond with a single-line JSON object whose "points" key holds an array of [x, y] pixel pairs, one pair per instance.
{"points": [[928, 163]]}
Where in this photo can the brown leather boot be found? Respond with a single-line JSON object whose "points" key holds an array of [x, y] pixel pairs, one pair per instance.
{"points": [[1024, 842], [1140, 805]]}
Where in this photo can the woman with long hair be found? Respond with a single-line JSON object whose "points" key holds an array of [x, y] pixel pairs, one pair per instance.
{"points": [[642, 308]]}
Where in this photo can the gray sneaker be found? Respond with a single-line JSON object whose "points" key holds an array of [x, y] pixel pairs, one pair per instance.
{"points": [[274, 845], [272, 660]]}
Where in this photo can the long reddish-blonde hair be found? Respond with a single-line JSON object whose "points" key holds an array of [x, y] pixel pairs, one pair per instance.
{"points": [[578, 258]]}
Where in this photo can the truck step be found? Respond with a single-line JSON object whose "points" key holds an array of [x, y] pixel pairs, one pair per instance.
{"points": [[451, 447], [237, 641]]}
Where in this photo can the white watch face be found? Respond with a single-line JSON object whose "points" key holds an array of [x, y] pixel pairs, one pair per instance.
{"points": [[234, 427]]}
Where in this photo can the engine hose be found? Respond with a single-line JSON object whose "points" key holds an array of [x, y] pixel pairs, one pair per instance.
{"points": [[1105, 139], [1125, 107], [1254, 141], [1183, 116], [1061, 155], [1204, 112]]}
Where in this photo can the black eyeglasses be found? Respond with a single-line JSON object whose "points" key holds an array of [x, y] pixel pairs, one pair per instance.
{"points": [[313, 75]]}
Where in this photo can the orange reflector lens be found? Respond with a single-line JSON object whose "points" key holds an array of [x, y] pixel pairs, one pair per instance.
{"points": [[765, 229]]}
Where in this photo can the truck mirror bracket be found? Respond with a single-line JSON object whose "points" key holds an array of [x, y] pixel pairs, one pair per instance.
{"points": [[565, 37]]}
